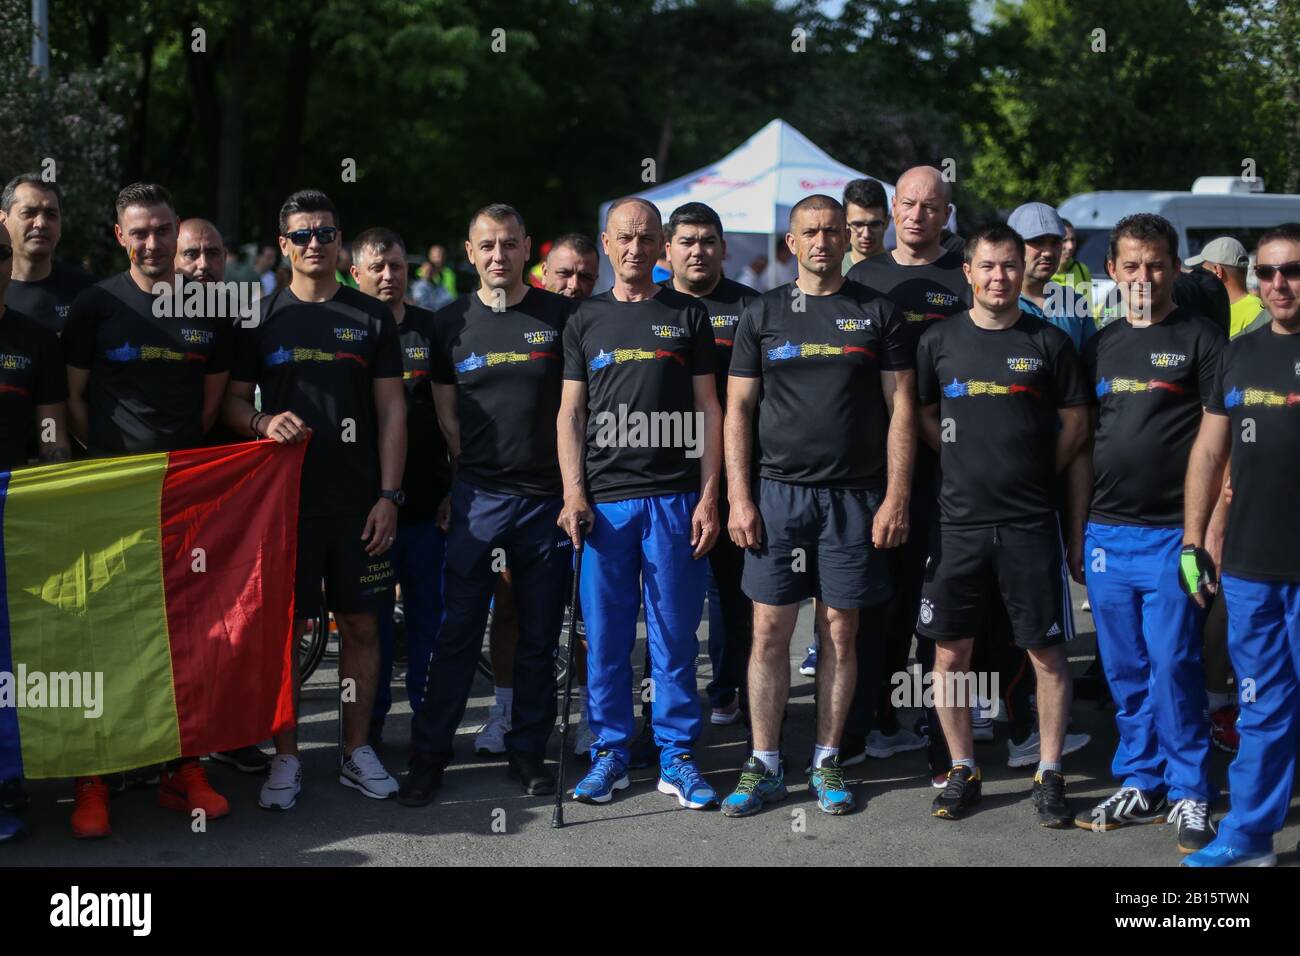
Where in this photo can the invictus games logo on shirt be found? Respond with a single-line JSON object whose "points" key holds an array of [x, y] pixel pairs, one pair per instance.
{"points": [[417, 353], [197, 336], [540, 337], [12, 362], [1023, 364], [724, 321], [668, 331], [1167, 359], [349, 335], [944, 299], [853, 325]]}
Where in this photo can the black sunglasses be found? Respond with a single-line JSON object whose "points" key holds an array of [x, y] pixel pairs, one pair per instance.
{"points": [[6, 252], [1290, 271], [324, 235]]}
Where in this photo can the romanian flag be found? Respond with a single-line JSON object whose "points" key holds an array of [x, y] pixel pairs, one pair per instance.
{"points": [[146, 607]]}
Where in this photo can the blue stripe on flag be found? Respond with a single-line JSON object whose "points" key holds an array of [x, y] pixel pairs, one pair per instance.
{"points": [[11, 751]]}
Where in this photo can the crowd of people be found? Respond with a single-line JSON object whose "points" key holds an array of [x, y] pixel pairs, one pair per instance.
{"points": [[929, 441]]}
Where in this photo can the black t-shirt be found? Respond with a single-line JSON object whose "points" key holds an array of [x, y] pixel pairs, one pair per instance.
{"points": [[31, 374], [320, 360], [1150, 385], [48, 300], [639, 361], [427, 478], [1198, 290], [508, 369], [822, 414], [725, 303], [998, 392], [1258, 388], [146, 370]]}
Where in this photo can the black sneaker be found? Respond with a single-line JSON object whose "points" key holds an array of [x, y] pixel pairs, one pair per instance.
{"points": [[13, 796], [1049, 800], [644, 752], [1126, 806], [961, 793], [243, 759], [1195, 825], [143, 777], [530, 770], [420, 781]]}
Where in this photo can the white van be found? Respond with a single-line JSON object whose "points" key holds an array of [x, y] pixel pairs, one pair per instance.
{"points": [[1216, 206]]}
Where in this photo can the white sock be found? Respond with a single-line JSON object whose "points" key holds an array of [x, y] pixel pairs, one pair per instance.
{"points": [[822, 755], [505, 697], [771, 759]]}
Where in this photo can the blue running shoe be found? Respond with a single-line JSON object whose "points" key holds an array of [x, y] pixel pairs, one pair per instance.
{"points": [[833, 795], [1219, 853], [606, 775], [11, 828], [757, 786], [681, 778], [809, 666]]}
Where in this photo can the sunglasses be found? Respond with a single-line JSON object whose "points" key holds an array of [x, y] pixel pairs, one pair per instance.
{"points": [[324, 235], [1290, 271], [6, 252]]}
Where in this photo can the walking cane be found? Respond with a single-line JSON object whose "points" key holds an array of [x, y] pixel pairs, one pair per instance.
{"points": [[557, 818]]}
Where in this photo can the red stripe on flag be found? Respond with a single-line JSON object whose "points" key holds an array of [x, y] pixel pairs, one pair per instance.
{"points": [[231, 624]]}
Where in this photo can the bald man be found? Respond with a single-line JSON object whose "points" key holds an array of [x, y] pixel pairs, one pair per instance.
{"points": [[925, 281], [640, 436], [200, 251]]}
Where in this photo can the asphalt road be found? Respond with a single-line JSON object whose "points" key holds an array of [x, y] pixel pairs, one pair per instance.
{"points": [[481, 819]]}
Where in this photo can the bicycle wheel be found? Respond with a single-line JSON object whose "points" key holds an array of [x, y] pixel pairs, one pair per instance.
{"points": [[311, 644]]}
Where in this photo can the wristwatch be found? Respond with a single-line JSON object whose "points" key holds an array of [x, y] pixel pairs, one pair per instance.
{"points": [[396, 496]]}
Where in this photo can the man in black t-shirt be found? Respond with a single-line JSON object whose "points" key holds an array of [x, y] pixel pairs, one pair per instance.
{"points": [[924, 279], [826, 366], [1254, 415], [144, 376], [1004, 403], [496, 363], [639, 443], [696, 249], [380, 270], [42, 287], [1151, 373], [328, 361]]}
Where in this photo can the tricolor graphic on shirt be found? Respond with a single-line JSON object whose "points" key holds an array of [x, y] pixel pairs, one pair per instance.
{"points": [[286, 356], [126, 352], [604, 359], [1249, 397], [475, 361], [723, 322], [956, 389], [14, 389], [815, 349], [1122, 386]]}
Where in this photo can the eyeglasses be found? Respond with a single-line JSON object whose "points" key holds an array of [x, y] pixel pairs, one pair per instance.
{"points": [[1290, 271], [5, 253], [302, 237]]}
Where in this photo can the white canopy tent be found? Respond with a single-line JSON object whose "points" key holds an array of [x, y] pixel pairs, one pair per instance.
{"points": [[753, 189]]}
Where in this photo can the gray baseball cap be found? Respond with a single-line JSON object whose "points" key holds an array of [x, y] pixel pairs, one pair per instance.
{"points": [[1034, 219], [1224, 251]]}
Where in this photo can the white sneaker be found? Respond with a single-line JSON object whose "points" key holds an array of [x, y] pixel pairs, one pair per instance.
{"points": [[363, 771], [881, 746], [491, 737], [583, 738], [1026, 754], [283, 783]]}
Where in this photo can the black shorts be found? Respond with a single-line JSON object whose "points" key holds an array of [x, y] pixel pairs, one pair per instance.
{"points": [[816, 543], [330, 549], [1023, 560]]}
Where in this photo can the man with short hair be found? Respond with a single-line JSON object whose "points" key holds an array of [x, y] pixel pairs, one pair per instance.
{"points": [[328, 361], [1042, 229], [1003, 403], [379, 269], [1252, 417], [571, 267], [697, 248], [1072, 273], [440, 272], [640, 448], [42, 287], [496, 368], [866, 209], [1227, 260], [142, 379], [827, 367], [1151, 373]]}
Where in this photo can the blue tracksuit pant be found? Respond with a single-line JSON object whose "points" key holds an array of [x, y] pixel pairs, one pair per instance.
{"points": [[1149, 637], [1264, 645], [639, 550], [417, 558]]}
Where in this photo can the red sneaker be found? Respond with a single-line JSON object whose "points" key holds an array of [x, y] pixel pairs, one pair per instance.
{"points": [[90, 812], [1223, 729], [188, 790]]}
